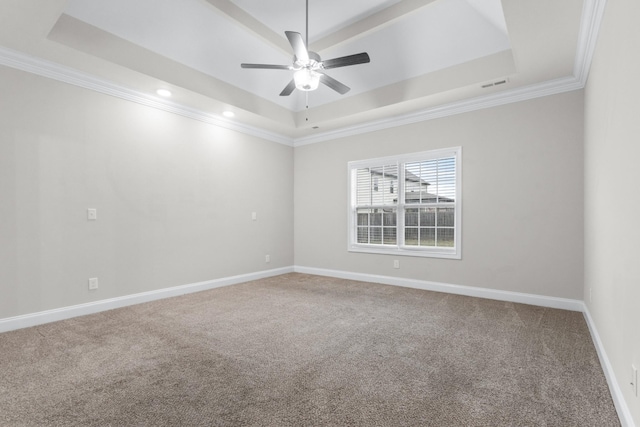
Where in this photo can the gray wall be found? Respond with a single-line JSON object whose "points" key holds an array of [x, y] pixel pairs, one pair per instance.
{"points": [[174, 197], [522, 198], [612, 201]]}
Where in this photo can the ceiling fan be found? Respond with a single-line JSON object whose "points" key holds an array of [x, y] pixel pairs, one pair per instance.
{"points": [[308, 66]]}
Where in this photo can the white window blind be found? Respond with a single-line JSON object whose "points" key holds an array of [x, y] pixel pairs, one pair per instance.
{"points": [[408, 204], [376, 212]]}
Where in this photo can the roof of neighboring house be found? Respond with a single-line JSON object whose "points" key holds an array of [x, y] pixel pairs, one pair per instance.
{"points": [[408, 176]]}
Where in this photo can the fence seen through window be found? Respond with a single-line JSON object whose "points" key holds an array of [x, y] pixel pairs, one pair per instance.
{"points": [[409, 202]]}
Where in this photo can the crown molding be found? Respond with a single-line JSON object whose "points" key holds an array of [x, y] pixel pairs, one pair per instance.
{"points": [[52, 70], [538, 90], [592, 14]]}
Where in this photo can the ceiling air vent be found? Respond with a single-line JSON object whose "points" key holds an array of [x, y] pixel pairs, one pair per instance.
{"points": [[496, 83]]}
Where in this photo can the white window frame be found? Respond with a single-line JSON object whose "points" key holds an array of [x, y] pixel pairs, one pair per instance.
{"points": [[400, 248]]}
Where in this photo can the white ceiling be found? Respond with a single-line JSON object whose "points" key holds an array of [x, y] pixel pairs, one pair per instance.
{"points": [[323, 19], [424, 53], [191, 32]]}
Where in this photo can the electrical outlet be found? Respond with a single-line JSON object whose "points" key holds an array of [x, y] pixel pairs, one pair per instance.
{"points": [[396, 263], [92, 214], [93, 283], [267, 258], [634, 380]]}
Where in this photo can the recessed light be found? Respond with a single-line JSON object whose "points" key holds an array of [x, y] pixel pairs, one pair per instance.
{"points": [[229, 114], [163, 92]]}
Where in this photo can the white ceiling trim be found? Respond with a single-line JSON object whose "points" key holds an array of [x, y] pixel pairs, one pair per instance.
{"points": [[552, 87], [593, 12], [51, 70]]}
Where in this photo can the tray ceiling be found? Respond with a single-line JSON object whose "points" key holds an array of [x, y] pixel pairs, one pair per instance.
{"points": [[424, 53]]}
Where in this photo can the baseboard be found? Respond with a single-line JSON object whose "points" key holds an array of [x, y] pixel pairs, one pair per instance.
{"points": [[626, 420], [39, 318], [539, 300], [34, 319], [544, 301]]}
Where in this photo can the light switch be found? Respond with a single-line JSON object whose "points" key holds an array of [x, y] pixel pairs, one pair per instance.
{"points": [[92, 214]]}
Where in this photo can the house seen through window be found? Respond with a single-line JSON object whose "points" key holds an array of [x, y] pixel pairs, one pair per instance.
{"points": [[408, 205]]}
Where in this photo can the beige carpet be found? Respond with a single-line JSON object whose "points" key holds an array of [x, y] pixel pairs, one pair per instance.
{"points": [[300, 350]]}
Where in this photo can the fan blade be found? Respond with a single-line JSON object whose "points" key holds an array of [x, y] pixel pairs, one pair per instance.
{"points": [[358, 58], [267, 66], [297, 43], [288, 89], [334, 84]]}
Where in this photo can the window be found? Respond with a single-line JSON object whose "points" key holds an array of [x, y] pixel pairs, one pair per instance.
{"points": [[407, 205]]}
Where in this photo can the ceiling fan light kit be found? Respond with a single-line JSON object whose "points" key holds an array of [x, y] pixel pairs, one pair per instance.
{"points": [[309, 67], [306, 79]]}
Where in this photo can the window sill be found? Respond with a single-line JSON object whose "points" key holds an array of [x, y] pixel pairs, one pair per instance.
{"points": [[431, 253]]}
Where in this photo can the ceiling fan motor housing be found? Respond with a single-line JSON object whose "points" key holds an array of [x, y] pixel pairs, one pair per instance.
{"points": [[314, 62]]}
